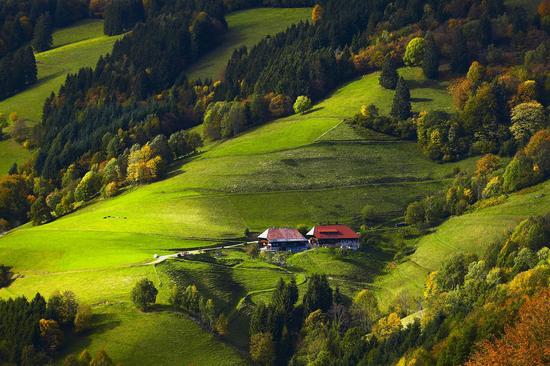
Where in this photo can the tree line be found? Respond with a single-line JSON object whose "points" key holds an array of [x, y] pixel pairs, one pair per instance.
{"points": [[17, 71], [34, 331]]}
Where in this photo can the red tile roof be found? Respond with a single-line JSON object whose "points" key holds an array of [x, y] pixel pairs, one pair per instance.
{"points": [[334, 232], [282, 234]]}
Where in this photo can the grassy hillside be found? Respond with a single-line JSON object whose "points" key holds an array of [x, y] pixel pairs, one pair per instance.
{"points": [[246, 28], [77, 46], [300, 169], [11, 152], [469, 233]]}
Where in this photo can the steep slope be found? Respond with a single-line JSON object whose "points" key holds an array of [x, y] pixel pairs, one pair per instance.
{"points": [[77, 46], [469, 233], [246, 28]]}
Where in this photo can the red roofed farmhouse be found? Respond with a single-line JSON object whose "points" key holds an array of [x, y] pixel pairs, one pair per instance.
{"points": [[282, 239], [334, 236]]}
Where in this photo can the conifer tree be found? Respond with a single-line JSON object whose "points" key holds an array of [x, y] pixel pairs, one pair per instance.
{"points": [[401, 107], [13, 170], [389, 76], [430, 62], [42, 38], [30, 70], [459, 52]]}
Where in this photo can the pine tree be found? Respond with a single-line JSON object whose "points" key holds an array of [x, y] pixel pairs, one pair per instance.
{"points": [[401, 107], [430, 62], [459, 52], [13, 170], [30, 70], [42, 39], [389, 76]]}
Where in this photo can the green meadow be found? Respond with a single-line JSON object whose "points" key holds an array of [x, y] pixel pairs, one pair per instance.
{"points": [[469, 233], [246, 28], [301, 169], [75, 47]]}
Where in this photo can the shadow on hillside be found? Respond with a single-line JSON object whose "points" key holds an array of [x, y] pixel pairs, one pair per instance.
{"points": [[103, 323], [420, 100], [425, 84], [313, 110]]}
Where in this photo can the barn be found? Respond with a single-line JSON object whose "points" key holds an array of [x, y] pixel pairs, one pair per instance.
{"points": [[333, 236], [282, 239]]}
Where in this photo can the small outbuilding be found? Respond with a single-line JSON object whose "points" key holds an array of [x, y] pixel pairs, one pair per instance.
{"points": [[333, 236], [282, 239]]}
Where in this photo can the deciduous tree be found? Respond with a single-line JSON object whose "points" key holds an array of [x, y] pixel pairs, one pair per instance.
{"points": [[144, 294]]}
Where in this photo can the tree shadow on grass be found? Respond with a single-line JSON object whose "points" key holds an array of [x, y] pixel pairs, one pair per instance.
{"points": [[313, 110], [420, 100], [425, 84]]}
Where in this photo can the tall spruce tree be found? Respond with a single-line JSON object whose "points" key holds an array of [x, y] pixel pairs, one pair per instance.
{"points": [[42, 38], [401, 107], [430, 62], [30, 70], [389, 76], [459, 52]]}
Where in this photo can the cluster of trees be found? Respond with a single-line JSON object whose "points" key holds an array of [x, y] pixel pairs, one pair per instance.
{"points": [[121, 15], [370, 117], [275, 327], [106, 177], [203, 310], [228, 119], [489, 184], [84, 358], [17, 71], [143, 76], [19, 19], [233, 5], [33, 331], [471, 306], [23, 22]]}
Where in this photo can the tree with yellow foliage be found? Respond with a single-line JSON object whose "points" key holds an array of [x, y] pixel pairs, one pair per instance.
{"points": [[387, 326], [144, 166], [317, 14]]}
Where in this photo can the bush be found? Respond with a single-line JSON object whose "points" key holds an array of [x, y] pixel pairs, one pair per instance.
{"points": [[144, 294], [302, 104], [414, 53]]}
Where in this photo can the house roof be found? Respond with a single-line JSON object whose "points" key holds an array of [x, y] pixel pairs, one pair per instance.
{"points": [[274, 234], [333, 232]]}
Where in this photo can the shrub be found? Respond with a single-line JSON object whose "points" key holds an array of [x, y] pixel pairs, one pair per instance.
{"points": [[302, 104], [144, 294], [414, 53]]}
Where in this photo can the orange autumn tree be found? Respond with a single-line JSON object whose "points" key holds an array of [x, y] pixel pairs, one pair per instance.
{"points": [[317, 14], [526, 343]]}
